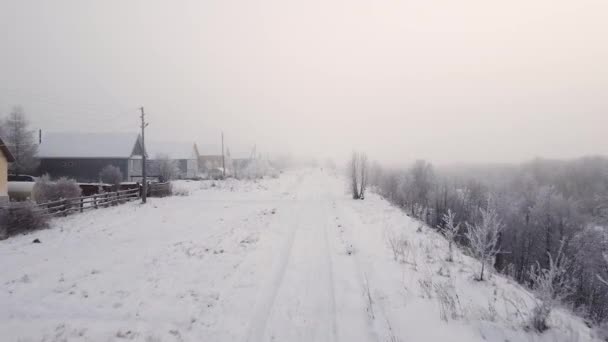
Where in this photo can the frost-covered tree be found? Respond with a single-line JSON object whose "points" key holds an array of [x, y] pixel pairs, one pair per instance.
{"points": [[483, 236], [450, 231], [20, 141], [167, 168], [540, 204], [111, 175]]}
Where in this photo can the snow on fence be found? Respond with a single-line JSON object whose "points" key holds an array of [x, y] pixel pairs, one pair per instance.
{"points": [[80, 204]]}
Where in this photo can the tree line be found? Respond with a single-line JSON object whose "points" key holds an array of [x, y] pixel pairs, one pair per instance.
{"points": [[544, 222]]}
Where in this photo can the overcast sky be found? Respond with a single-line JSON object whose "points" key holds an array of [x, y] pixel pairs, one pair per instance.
{"points": [[443, 80]]}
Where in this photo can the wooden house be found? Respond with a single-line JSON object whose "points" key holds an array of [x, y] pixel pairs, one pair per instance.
{"points": [[82, 156]]}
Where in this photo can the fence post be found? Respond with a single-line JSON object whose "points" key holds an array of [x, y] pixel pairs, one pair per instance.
{"points": [[95, 201], [117, 198], [81, 204]]}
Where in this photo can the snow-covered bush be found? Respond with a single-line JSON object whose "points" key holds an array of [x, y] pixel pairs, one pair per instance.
{"points": [[20, 217], [167, 168], [46, 190], [111, 175], [551, 286]]}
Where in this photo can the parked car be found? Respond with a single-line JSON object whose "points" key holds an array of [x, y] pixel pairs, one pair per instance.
{"points": [[22, 178]]}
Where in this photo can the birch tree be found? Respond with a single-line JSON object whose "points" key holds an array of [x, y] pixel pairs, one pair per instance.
{"points": [[483, 236], [450, 231]]}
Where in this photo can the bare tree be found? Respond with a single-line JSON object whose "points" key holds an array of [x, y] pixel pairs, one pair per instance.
{"points": [[358, 173], [450, 231], [354, 172], [483, 236], [362, 175], [20, 141]]}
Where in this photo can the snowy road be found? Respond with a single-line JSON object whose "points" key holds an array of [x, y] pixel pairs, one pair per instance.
{"points": [[288, 259]]}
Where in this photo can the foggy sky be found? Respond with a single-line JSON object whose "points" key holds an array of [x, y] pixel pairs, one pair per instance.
{"points": [[443, 80]]}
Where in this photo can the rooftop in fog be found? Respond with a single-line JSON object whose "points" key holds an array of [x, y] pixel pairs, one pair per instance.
{"points": [[171, 149], [87, 145]]}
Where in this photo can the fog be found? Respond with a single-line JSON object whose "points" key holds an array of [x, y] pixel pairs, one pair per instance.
{"points": [[447, 81]]}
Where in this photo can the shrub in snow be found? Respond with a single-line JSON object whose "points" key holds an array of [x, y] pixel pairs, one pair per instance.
{"points": [[483, 236], [111, 175], [67, 188], [449, 303], [398, 245], [20, 217], [551, 286], [46, 190]]}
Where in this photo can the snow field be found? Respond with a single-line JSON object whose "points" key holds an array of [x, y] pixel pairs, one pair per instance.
{"points": [[286, 259]]}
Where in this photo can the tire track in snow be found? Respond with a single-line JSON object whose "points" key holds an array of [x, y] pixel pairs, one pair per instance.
{"points": [[362, 277], [299, 301], [332, 284], [257, 326]]}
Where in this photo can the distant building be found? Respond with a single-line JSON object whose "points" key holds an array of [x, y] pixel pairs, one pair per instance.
{"points": [[83, 155], [210, 159], [5, 157], [184, 155]]}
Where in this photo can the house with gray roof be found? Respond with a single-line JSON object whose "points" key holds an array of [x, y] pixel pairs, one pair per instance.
{"points": [[82, 156], [185, 156]]}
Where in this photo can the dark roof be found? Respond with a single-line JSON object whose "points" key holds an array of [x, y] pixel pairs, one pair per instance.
{"points": [[88, 145], [7, 153]]}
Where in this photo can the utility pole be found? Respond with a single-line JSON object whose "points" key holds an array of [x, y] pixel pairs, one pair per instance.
{"points": [[144, 189], [223, 161]]}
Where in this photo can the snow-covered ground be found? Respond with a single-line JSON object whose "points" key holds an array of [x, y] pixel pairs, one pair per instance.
{"points": [[287, 259]]}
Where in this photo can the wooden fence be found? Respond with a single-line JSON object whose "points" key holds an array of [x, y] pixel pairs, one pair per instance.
{"points": [[80, 204]]}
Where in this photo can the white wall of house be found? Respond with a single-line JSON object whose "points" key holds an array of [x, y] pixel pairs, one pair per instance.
{"points": [[135, 169]]}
